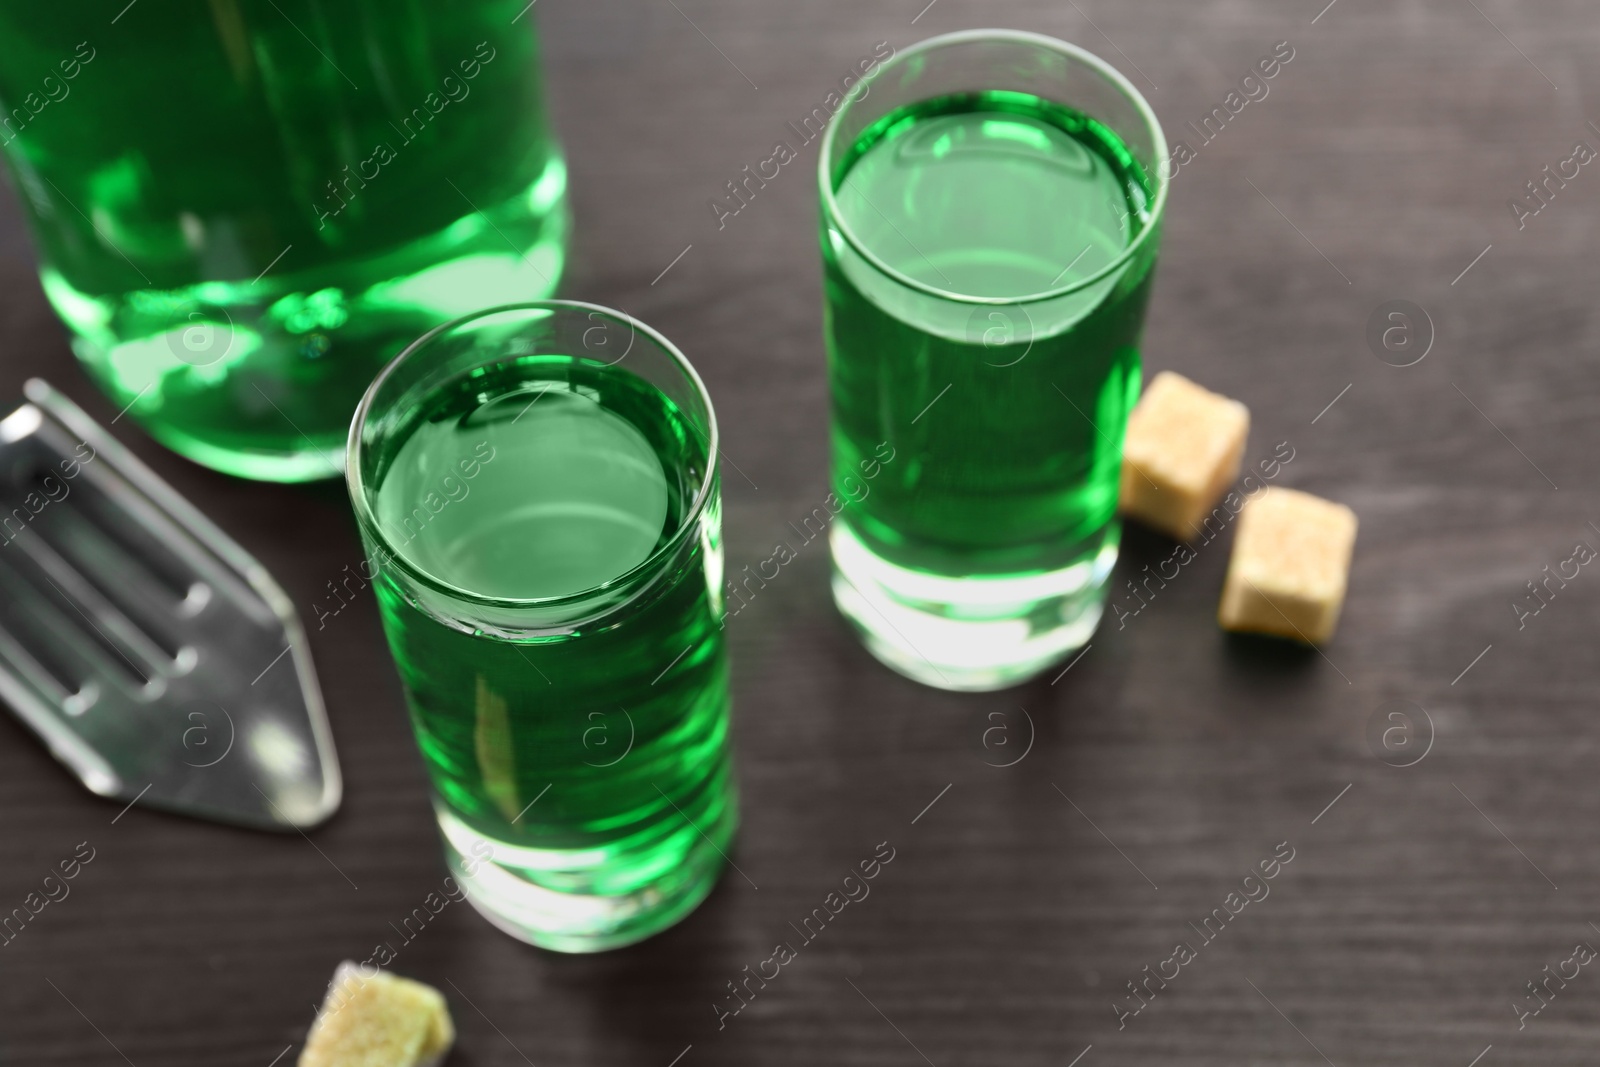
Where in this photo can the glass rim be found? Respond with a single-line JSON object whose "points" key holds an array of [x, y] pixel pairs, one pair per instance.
{"points": [[367, 520], [831, 206]]}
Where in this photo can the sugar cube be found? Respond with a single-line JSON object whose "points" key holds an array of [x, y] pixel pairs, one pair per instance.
{"points": [[1290, 566], [1181, 454], [378, 1020]]}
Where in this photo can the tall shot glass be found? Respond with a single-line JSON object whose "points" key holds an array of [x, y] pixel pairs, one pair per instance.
{"points": [[537, 493], [991, 210]]}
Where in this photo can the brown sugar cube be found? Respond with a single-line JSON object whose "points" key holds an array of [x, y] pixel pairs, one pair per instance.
{"points": [[1181, 453], [378, 1020], [1290, 566]]}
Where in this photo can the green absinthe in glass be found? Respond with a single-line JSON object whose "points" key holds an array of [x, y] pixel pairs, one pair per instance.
{"points": [[245, 208], [1002, 375], [577, 743]]}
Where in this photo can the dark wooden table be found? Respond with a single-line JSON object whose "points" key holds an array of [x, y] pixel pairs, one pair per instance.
{"points": [[1163, 767]]}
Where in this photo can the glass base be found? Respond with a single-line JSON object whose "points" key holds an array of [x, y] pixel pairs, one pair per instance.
{"points": [[969, 634], [259, 379], [317, 461], [498, 880]]}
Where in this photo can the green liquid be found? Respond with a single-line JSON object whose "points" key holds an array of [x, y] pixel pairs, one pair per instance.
{"points": [[556, 477], [1007, 418], [241, 226]]}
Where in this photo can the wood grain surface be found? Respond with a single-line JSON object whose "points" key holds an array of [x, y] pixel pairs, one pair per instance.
{"points": [[1148, 780]]}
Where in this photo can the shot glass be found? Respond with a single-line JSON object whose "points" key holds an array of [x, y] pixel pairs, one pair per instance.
{"points": [[537, 493], [991, 210]]}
